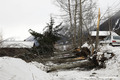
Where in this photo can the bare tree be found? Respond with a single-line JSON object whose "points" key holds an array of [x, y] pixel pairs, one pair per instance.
{"points": [[80, 25], [70, 17], [77, 11], [75, 22]]}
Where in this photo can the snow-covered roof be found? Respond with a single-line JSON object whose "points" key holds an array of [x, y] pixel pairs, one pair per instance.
{"points": [[103, 33], [30, 38], [16, 44]]}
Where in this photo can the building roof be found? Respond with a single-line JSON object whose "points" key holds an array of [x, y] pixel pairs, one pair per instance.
{"points": [[16, 44], [103, 33]]}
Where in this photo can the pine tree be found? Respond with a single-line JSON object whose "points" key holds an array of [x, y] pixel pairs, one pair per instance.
{"points": [[46, 40]]}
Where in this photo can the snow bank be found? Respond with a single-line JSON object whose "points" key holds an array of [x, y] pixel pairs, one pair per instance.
{"points": [[17, 69]]}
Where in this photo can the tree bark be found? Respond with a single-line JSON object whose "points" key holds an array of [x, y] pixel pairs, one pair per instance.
{"points": [[81, 64], [70, 17], [75, 23], [80, 25], [97, 34]]}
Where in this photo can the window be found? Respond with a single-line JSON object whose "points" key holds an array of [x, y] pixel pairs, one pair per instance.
{"points": [[116, 37], [108, 38]]}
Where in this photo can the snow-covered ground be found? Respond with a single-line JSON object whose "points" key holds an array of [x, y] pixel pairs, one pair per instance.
{"points": [[17, 69], [111, 72]]}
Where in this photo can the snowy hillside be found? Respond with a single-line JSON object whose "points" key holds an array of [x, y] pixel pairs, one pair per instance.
{"points": [[17, 69]]}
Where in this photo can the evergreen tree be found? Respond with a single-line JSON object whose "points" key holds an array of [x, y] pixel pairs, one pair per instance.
{"points": [[46, 40]]}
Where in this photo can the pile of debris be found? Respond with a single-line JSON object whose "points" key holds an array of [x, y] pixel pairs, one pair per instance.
{"points": [[82, 59]]}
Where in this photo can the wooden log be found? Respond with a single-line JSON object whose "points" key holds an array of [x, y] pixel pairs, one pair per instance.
{"points": [[81, 64], [64, 60]]}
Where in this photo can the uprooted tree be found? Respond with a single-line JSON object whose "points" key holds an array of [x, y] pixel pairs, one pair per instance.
{"points": [[45, 42]]}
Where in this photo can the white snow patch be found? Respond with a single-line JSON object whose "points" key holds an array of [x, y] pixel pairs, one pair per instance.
{"points": [[85, 45], [40, 66], [17, 69]]}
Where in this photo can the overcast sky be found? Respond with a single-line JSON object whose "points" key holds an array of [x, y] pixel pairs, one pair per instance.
{"points": [[18, 16]]}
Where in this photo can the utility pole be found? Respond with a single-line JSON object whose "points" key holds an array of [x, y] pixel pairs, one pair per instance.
{"points": [[97, 34], [80, 25]]}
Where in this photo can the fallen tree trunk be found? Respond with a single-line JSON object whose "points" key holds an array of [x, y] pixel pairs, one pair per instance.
{"points": [[64, 60], [81, 64], [94, 61]]}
